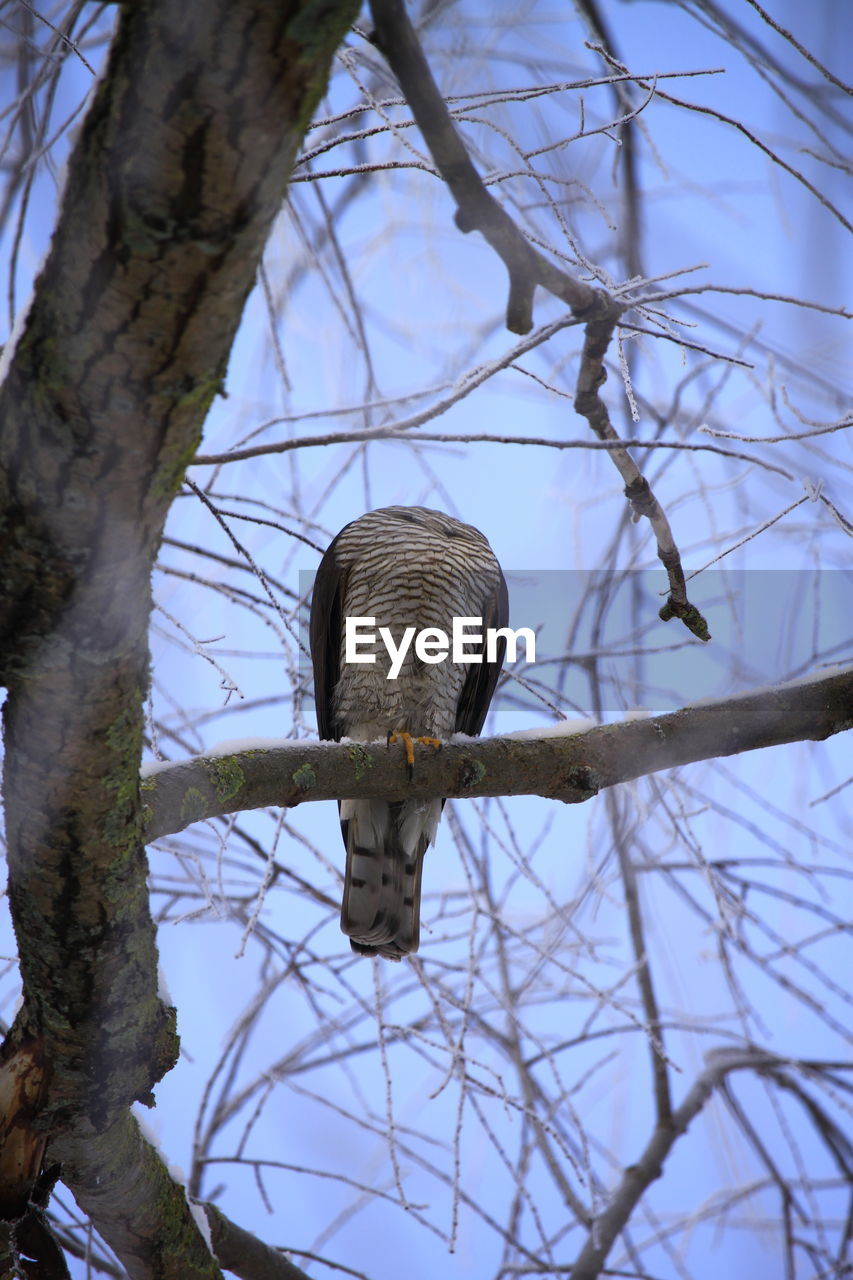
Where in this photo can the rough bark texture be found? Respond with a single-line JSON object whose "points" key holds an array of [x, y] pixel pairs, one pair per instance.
{"points": [[175, 179], [119, 1180]]}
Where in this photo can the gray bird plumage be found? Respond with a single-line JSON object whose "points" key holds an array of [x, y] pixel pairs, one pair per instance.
{"points": [[403, 566]]}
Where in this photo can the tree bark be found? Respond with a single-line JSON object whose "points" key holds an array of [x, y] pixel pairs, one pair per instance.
{"points": [[175, 179]]}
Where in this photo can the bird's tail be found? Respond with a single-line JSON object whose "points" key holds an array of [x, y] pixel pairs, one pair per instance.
{"points": [[385, 844]]}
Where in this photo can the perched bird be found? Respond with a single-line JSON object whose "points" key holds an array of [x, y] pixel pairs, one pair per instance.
{"points": [[403, 567]]}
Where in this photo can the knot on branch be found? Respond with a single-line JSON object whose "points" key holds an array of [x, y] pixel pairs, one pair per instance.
{"points": [[466, 219], [689, 615], [640, 496], [519, 307], [598, 308], [582, 783]]}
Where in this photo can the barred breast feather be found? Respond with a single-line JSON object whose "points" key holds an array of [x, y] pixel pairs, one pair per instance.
{"points": [[404, 567]]}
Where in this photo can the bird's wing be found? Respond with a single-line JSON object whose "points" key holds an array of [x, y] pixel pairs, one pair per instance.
{"points": [[483, 676], [325, 637]]}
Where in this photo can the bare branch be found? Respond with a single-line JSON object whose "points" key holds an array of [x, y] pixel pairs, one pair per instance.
{"points": [[244, 1254], [478, 210], [571, 767], [393, 432], [639, 1176]]}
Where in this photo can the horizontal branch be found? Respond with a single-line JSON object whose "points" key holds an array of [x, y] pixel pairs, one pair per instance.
{"points": [[394, 434], [570, 767]]}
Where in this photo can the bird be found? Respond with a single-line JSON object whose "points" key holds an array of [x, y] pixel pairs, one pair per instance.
{"points": [[403, 567]]}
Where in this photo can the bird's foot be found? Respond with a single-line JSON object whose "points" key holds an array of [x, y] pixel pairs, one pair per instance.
{"points": [[409, 743]]}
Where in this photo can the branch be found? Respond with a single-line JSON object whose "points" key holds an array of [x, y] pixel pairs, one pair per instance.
{"points": [[477, 210], [570, 767], [642, 961], [395, 432], [637, 1178], [119, 1180], [638, 491], [244, 1254]]}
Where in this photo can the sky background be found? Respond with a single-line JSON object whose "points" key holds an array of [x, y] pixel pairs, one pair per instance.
{"points": [[390, 1112]]}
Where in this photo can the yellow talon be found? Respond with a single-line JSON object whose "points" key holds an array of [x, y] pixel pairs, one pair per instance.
{"points": [[409, 743]]}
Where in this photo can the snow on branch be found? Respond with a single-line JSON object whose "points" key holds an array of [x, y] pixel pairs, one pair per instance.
{"points": [[571, 767]]}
